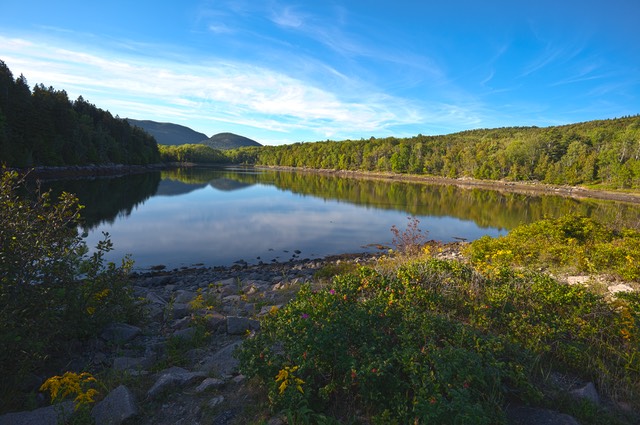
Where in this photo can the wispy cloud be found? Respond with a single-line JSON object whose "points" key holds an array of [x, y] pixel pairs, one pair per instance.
{"points": [[217, 90], [288, 17]]}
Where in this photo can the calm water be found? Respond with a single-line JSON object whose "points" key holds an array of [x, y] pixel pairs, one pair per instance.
{"points": [[220, 216]]}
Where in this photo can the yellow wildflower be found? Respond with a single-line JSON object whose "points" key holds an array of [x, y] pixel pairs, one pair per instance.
{"points": [[71, 383], [286, 378]]}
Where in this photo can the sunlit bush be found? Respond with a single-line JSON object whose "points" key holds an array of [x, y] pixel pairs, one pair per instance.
{"points": [[367, 346], [570, 243], [436, 342]]}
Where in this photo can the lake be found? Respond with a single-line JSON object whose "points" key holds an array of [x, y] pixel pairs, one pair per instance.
{"points": [[219, 216]]}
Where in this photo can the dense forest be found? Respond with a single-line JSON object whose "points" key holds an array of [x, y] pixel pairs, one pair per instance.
{"points": [[193, 153], [605, 152], [43, 127]]}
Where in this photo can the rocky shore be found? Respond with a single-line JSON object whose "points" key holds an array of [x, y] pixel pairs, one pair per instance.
{"points": [[178, 366]]}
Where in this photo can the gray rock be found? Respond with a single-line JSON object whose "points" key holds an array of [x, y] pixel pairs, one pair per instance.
{"points": [[120, 332], [185, 334], [209, 384], [172, 378], [118, 406], [179, 310], [521, 415], [155, 312], [240, 325], [155, 299], [184, 297], [45, 416], [213, 320], [228, 287], [181, 323], [587, 392], [249, 309], [222, 362], [231, 299], [215, 401]]}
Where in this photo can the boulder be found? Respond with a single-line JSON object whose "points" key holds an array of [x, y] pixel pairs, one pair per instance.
{"points": [[209, 384], [172, 378], [179, 310], [186, 334], [184, 297], [118, 406], [240, 325], [222, 362], [120, 332], [587, 392], [44, 416]]}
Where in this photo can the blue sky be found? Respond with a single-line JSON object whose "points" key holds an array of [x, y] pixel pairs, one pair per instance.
{"points": [[282, 71]]}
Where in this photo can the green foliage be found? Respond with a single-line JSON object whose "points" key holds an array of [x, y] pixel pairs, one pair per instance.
{"points": [[51, 292], [192, 153], [605, 152], [436, 342], [43, 127], [369, 344], [573, 243]]}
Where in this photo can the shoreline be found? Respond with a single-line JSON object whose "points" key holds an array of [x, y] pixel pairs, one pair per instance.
{"points": [[86, 171], [576, 192], [532, 187]]}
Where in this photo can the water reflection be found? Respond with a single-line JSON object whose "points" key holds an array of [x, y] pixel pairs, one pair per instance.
{"points": [[218, 216]]}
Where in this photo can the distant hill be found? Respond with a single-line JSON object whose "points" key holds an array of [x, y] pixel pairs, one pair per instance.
{"points": [[224, 141], [174, 134], [169, 134]]}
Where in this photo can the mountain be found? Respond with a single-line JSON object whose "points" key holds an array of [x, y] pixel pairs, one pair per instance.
{"points": [[174, 134], [224, 141], [169, 134]]}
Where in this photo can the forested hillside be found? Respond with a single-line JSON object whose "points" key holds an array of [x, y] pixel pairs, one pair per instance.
{"points": [[605, 152], [167, 133], [42, 127], [225, 141]]}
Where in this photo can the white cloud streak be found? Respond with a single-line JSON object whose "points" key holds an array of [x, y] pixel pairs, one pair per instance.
{"points": [[165, 88]]}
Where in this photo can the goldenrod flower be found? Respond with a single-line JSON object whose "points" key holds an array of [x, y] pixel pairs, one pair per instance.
{"points": [[71, 383], [286, 377]]}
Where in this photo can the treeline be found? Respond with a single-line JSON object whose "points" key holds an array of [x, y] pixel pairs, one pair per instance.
{"points": [[42, 127], [603, 152], [195, 153]]}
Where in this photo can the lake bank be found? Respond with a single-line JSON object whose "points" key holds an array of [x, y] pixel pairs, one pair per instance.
{"points": [[533, 187]]}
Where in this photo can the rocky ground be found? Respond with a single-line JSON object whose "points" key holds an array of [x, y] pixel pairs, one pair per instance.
{"points": [[178, 368]]}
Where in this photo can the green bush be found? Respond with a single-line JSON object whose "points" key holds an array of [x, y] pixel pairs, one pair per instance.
{"points": [[367, 346], [51, 291], [570, 243], [436, 342]]}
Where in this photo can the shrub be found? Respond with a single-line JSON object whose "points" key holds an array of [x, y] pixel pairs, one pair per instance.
{"points": [[366, 345], [436, 342], [570, 243], [410, 240], [51, 291]]}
